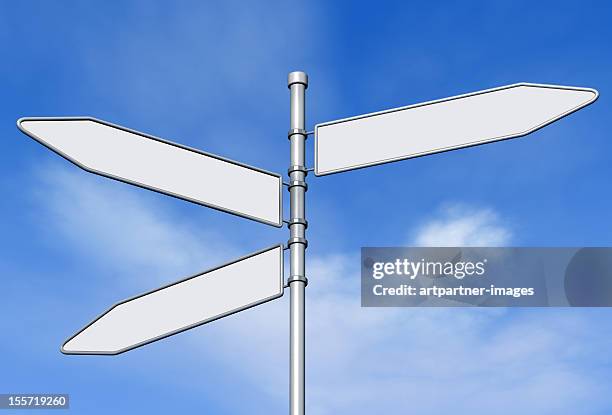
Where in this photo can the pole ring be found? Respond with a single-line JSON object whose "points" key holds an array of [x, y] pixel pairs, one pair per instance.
{"points": [[296, 131], [298, 183], [297, 240], [295, 278], [297, 221], [297, 168]]}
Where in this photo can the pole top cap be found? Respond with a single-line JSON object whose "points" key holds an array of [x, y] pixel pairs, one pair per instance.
{"points": [[297, 77]]}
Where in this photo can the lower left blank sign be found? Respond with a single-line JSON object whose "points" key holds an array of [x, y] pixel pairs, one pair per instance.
{"points": [[185, 304]]}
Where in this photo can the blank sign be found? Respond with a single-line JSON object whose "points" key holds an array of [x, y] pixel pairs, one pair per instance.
{"points": [[183, 305], [169, 168], [447, 124]]}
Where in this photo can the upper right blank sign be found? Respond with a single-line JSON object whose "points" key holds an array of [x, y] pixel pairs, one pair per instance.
{"points": [[441, 125]]}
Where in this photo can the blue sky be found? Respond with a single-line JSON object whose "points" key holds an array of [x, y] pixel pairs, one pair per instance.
{"points": [[213, 76]]}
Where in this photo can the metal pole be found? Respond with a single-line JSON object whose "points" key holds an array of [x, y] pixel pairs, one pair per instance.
{"points": [[297, 82]]}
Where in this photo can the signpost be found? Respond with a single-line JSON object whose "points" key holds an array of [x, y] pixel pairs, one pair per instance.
{"points": [[185, 304], [367, 140], [152, 163], [442, 125]]}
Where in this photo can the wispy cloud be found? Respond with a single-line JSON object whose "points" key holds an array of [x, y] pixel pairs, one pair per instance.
{"points": [[362, 360], [110, 224], [463, 225]]}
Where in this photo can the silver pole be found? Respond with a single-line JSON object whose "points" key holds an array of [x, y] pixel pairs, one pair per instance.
{"points": [[297, 82]]}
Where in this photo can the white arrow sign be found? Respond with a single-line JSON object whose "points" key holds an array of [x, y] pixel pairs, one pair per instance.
{"points": [[169, 168], [446, 124], [183, 305]]}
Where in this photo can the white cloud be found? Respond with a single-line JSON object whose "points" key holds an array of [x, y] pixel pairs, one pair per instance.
{"points": [[360, 360], [426, 361], [112, 225], [460, 225]]}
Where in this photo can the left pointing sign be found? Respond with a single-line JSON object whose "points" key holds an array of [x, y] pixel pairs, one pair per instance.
{"points": [[185, 304], [152, 163]]}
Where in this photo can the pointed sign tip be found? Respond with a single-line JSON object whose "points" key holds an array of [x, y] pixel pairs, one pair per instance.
{"points": [[230, 288], [442, 125], [142, 160]]}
